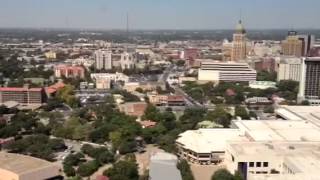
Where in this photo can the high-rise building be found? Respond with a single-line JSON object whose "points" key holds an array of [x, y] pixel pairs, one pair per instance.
{"points": [[239, 44], [23, 95], [103, 59], [307, 43], [310, 81], [293, 45], [127, 60], [289, 68]]}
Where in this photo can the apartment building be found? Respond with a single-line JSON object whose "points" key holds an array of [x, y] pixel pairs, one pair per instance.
{"points": [[23, 96], [69, 71]]}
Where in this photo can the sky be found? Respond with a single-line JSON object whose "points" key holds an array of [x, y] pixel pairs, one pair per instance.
{"points": [[160, 14]]}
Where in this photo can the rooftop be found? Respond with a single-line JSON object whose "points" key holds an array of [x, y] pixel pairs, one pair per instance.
{"points": [[21, 164], [279, 130], [305, 113], [164, 166]]}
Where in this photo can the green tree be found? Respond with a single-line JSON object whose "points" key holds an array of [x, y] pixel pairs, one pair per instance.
{"points": [[69, 170], [219, 115], [88, 168], [185, 170], [222, 174], [123, 170], [241, 112]]}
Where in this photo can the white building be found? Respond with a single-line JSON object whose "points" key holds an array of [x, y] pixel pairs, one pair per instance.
{"points": [[226, 71], [274, 160], [206, 146], [127, 60], [103, 59], [110, 76], [164, 166], [262, 84], [289, 68]]}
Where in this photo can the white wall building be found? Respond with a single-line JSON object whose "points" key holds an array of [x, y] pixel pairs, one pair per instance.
{"points": [[127, 60], [103, 59], [110, 76], [274, 160], [226, 71]]}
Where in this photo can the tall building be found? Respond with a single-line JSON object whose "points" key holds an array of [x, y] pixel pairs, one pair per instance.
{"points": [[310, 81], [127, 60], [103, 59], [239, 44], [226, 71], [308, 42], [293, 45], [289, 68]]}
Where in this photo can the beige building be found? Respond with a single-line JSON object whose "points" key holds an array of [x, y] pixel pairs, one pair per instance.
{"points": [[207, 146], [239, 45], [21, 167], [289, 68], [103, 83], [146, 86], [292, 46]]}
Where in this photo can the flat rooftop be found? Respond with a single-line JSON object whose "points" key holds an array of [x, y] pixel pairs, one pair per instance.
{"points": [[279, 130], [21, 164], [306, 113], [209, 140]]}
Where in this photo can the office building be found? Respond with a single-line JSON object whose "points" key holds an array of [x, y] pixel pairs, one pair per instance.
{"points": [[24, 96], [22, 167], [69, 71], [103, 59], [239, 44], [309, 88], [226, 71], [292, 46], [289, 68], [164, 166], [308, 42]]}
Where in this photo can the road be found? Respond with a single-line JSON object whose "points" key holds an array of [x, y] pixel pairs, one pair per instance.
{"points": [[178, 91]]}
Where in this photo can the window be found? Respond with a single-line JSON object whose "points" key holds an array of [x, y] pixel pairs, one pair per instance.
{"points": [[265, 164], [258, 164], [251, 164]]}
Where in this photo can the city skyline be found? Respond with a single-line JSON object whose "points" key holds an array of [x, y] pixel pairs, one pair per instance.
{"points": [[166, 14]]}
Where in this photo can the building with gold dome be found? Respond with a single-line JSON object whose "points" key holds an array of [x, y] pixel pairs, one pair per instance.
{"points": [[239, 45]]}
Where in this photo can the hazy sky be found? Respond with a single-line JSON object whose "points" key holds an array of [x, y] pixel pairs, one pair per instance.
{"points": [[160, 14]]}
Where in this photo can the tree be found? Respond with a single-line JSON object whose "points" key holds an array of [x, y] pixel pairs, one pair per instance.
{"points": [[73, 159], [123, 170], [151, 113], [222, 174], [185, 170], [241, 112], [305, 103], [69, 170], [266, 76], [219, 115], [88, 168]]}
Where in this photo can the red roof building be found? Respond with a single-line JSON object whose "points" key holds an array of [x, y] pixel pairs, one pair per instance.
{"points": [[24, 96]]}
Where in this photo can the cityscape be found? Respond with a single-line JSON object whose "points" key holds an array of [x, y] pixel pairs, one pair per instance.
{"points": [[177, 100]]}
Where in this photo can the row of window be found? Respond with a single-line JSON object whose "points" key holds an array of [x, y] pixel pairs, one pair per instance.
{"points": [[258, 164]]}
